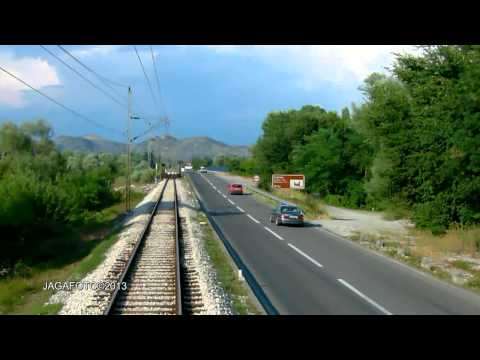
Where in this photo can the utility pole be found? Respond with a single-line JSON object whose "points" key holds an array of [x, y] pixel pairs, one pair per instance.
{"points": [[127, 183]]}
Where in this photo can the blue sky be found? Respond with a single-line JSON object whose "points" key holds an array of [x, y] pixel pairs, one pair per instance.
{"points": [[224, 92]]}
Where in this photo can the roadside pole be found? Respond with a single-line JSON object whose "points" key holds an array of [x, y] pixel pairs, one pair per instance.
{"points": [[126, 168], [128, 185]]}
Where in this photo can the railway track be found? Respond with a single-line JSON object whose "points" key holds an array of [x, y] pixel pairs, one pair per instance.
{"points": [[156, 273]]}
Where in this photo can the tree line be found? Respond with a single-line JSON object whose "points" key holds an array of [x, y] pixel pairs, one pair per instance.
{"points": [[412, 145], [42, 190]]}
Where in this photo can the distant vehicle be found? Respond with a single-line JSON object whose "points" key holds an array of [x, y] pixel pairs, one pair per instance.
{"points": [[188, 167], [287, 214], [235, 189], [203, 169]]}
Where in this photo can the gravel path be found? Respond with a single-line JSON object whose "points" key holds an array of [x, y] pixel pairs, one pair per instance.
{"points": [[346, 222]]}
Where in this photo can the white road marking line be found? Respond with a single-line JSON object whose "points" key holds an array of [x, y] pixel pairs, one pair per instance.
{"points": [[305, 255], [225, 196], [365, 297], [273, 233], [251, 217], [231, 202], [369, 251], [239, 208]]}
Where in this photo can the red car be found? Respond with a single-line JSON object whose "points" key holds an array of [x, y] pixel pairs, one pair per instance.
{"points": [[235, 189]]}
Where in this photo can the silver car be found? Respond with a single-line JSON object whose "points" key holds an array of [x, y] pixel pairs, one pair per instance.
{"points": [[286, 214]]}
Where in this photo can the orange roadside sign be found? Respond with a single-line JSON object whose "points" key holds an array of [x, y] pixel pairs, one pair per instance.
{"points": [[288, 181]]}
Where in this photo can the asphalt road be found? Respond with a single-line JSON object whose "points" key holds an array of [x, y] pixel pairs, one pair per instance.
{"points": [[311, 271]]}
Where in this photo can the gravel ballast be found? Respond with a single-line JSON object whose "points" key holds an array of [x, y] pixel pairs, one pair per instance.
{"points": [[215, 301], [82, 301]]}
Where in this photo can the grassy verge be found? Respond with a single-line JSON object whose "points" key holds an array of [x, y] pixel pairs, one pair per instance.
{"points": [[237, 290], [227, 276], [73, 254]]}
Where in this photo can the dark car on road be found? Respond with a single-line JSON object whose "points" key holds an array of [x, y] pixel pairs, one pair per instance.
{"points": [[287, 214]]}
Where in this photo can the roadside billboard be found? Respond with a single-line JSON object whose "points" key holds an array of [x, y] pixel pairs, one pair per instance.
{"points": [[288, 181]]}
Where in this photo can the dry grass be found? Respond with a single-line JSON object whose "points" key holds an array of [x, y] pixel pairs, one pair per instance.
{"points": [[458, 241]]}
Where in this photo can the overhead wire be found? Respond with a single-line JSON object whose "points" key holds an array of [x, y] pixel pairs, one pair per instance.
{"points": [[104, 80], [59, 103], [84, 78], [167, 123], [147, 79]]}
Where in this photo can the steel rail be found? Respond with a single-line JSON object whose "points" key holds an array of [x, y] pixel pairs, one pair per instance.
{"points": [[178, 279], [140, 240]]}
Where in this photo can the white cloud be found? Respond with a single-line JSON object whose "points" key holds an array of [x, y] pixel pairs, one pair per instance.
{"points": [[343, 65], [226, 49], [35, 71], [96, 50]]}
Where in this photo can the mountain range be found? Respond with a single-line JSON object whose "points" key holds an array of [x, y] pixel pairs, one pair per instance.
{"points": [[166, 146]]}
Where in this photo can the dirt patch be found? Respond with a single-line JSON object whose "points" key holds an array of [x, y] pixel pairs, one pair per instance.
{"points": [[347, 222]]}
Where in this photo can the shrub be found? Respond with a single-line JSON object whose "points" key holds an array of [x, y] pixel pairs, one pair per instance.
{"points": [[433, 215]]}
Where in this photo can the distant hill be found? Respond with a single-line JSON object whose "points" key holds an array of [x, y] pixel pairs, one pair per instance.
{"points": [[165, 146], [90, 143], [174, 149]]}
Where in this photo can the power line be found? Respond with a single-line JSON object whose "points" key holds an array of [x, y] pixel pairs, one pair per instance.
{"points": [[146, 77], [84, 78], [58, 103], [91, 70], [102, 78], [167, 122], [157, 79], [146, 132]]}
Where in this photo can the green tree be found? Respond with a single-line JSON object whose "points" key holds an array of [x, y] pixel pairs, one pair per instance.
{"points": [[424, 124]]}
